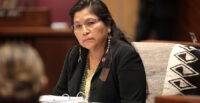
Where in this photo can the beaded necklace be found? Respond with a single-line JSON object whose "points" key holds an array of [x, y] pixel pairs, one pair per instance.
{"points": [[86, 81], [83, 82]]}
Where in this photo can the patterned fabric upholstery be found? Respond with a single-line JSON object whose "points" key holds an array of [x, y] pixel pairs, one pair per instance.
{"points": [[183, 71]]}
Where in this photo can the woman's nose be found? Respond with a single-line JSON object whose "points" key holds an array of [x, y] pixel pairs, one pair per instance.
{"points": [[86, 31]]}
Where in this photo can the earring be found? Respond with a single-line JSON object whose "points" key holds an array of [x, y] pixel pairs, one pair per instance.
{"points": [[108, 47], [79, 58]]}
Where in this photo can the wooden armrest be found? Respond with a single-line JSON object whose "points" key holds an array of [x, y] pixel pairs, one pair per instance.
{"points": [[176, 42], [177, 99]]}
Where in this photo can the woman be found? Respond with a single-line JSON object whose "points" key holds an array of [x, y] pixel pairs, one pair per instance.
{"points": [[104, 66]]}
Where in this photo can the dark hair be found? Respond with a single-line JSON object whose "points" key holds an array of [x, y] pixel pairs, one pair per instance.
{"points": [[98, 8]]}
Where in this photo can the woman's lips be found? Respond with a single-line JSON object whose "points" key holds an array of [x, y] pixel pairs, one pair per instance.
{"points": [[88, 39]]}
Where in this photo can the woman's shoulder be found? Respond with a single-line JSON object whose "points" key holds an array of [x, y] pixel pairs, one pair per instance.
{"points": [[124, 52], [123, 47]]}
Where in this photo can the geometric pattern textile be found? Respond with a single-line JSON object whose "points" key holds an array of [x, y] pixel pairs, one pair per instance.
{"points": [[183, 71]]}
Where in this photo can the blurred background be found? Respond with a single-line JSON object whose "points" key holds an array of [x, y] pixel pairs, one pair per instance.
{"points": [[139, 19], [45, 25]]}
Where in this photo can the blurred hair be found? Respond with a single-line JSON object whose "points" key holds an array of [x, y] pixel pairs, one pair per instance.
{"points": [[21, 69]]}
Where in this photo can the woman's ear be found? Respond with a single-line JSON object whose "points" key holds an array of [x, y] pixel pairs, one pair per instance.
{"points": [[109, 28]]}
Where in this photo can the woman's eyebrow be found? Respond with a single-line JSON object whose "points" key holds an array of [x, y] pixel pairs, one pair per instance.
{"points": [[76, 22], [88, 19]]}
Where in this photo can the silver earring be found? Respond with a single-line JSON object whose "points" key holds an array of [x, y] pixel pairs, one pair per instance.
{"points": [[108, 47], [79, 58]]}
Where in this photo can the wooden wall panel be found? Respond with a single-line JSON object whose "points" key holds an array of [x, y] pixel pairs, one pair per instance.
{"points": [[187, 20], [53, 52], [32, 17], [125, 14], [59, 9]]}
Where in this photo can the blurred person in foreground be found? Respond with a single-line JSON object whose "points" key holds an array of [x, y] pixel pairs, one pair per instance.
{"points": [[21, 74], [104, 65]]}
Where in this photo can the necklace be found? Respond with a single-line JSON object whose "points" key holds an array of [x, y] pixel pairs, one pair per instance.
{"points": [[83, 82]]}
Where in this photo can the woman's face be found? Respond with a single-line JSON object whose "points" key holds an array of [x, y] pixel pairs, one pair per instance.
{"points": [[90, 31]]}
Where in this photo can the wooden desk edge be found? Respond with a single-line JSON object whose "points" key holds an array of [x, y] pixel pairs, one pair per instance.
{"points": [[175, 42], [177, 99]]}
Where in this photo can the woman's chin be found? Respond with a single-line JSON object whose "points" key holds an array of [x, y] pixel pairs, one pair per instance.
{"points": [[87, 46]]}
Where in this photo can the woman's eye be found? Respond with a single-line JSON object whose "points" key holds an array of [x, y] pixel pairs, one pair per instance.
{"points": [[90, 23], [77, 26]]}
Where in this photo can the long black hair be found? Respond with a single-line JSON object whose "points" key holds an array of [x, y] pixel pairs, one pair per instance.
{"points": [[98, 8]]}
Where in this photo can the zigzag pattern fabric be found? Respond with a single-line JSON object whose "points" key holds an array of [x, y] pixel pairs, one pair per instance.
{"points": [[183, 71]]}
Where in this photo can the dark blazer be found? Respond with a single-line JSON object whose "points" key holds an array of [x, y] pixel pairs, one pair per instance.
{"points": [[124, 82]]}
